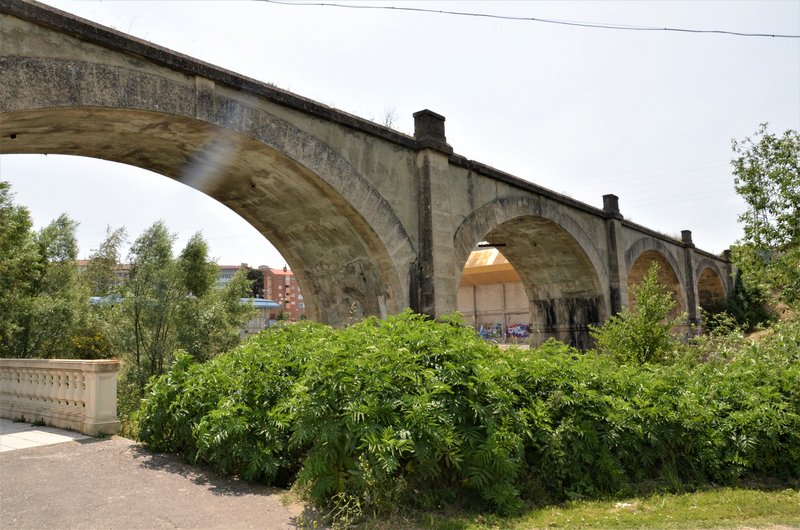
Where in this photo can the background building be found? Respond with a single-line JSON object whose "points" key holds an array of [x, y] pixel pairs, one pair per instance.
{"points": [[281, 286], [227, 272]]}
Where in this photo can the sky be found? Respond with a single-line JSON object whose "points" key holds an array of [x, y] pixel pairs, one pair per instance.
{"points": [[646, 115]]}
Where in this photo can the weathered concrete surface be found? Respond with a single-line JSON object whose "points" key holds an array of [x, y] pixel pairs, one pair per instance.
{"points": [[371, 220], [115, 483]]}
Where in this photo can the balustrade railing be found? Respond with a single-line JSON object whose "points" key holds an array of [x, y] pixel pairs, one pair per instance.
{"points": [[70, 394]]}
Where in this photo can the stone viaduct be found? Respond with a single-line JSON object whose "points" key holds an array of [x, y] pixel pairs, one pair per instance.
{"points": [[371, 220]]}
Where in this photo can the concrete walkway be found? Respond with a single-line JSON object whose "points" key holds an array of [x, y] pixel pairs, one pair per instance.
{"points": [[80, 482], [22, 435]]}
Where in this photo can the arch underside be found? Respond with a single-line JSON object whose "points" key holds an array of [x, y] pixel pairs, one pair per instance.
{"points": [[342, 266], [343, 241], [563, 289], [711, 294]]}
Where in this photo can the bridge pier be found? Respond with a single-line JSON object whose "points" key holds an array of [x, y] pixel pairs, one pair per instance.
{"points": [[691, 294], [435, 264], [616, 256]]}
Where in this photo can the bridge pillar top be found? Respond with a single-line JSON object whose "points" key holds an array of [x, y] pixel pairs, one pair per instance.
{"points": [[429, 131], [611, 206], [686, 237]]}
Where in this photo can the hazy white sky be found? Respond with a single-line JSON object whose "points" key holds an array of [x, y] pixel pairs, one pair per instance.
{"points": [[648, 116]]}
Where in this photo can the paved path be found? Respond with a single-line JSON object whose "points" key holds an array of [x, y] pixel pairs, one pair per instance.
{"points": [[22, 435], [115, 483]]}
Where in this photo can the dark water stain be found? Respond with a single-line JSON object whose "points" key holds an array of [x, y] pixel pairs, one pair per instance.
{"points": [[567, 319]]}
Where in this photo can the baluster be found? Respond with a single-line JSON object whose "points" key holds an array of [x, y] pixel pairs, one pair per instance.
{"points": [[33, 381], [33, 389], [5, 382], [69, 394], [58, 388], [80, 390], [22, 389], [65, 387], [38, 386], [44, 386], [51, 387], [16, 377]]}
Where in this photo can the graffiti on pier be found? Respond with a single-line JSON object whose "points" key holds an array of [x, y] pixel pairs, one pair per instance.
{"points": [[513, 332]]}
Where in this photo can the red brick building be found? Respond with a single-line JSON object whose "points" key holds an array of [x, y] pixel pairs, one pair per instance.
{"points": [[281, 286]]}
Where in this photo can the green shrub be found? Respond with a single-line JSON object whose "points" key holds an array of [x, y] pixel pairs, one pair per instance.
{"points": [[406, 403], [641, 333], [408, 400], [222, 412], [748, 309], [407, 411]]}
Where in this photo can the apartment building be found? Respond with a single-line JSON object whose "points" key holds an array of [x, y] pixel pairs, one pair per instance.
{"points": [[281, 286]]}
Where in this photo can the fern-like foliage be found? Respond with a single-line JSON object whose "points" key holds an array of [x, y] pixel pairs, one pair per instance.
{"points": [[411, 412]]}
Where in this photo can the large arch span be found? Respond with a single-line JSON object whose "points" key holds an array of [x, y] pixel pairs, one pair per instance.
{"points": [[558, 264], [351, 255]]}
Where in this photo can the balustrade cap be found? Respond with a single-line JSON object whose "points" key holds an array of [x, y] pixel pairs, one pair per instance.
{"points": [[84, 365]]}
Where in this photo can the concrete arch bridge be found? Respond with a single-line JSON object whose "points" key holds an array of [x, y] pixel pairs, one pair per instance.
{"points": [[387, 220]]}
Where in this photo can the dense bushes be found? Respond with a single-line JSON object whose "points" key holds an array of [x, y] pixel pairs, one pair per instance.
{"points": [[409, 411], [614, 426], [226, 412]]}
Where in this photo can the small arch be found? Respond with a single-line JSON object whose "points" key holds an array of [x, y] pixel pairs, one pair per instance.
{"points": [[667, 276], [503, 209], [711, 292], [646, 244]]}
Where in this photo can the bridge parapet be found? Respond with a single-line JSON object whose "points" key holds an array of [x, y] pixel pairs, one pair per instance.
{"points": [[71, 394]]}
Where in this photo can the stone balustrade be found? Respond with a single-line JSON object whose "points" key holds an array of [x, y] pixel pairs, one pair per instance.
{"points": [[70, 394]]}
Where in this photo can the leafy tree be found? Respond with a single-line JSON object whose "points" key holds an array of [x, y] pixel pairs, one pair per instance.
{"points": [[208, 319], [198, 274], [164, 305], [44, 304], [256, 278], [150, 296], [60, 298], [640, 333], [101, 273], [767, 176], [171, 304], [210, 325], [54, 305], [101, 332], [18, 259]]}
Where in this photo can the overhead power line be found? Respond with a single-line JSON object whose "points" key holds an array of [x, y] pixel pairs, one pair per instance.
{"points": [[621, 27]]}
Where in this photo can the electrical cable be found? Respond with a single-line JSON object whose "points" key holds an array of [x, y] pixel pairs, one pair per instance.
{"points": [[622, 27]]}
